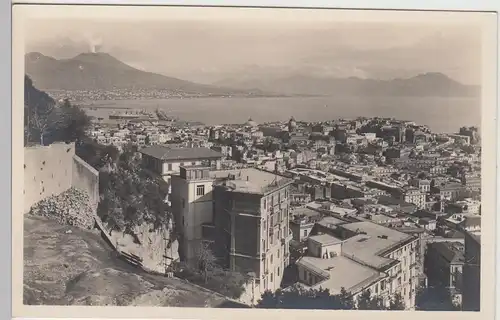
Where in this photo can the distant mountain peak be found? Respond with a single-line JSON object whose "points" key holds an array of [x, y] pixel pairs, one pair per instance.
{"points": [[433, 75], [102, 71], [34, 56]]}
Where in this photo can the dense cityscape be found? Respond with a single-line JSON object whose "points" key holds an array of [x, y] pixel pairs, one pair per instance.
{"points": [[362, 204], [206, 162]]}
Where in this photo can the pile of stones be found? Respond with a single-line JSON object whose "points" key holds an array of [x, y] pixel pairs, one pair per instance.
{"points": [[72, 207]]}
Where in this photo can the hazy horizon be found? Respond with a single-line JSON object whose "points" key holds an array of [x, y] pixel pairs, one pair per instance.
{"points": [[210, 51]]}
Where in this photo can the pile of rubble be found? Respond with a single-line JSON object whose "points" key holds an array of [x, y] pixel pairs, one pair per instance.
{"points": [[72, 207]]}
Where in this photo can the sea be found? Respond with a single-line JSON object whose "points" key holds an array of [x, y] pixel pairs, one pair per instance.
{"points": [[444, 115]]}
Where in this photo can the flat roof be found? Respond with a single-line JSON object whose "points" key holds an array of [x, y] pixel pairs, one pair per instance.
{"points": [[330, 222], [367, 247], [325, 239], [168, 153], [340, 272], [251, 180], [304, 211]]}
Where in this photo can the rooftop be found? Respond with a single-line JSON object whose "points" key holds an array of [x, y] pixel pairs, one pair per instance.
{"points": [[330, 222], [339, 272], [325, 239], [250, 180], [372, 239], [452, 252], [167, 153]]}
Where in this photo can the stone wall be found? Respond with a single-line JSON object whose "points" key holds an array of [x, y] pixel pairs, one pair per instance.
{"points": [[86, 178], [51, 170], [47, 171]]}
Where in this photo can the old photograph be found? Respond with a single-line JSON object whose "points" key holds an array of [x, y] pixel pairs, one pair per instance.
{"points": [[254, 158]]}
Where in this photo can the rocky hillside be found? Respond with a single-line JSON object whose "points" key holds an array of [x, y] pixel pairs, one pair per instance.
{"points": [[66, 265], [71, 207]]}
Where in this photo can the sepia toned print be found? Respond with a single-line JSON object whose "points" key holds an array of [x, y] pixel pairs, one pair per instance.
{"points": [[253, 162]]}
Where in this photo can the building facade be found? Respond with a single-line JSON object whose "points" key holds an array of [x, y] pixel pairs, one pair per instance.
{"points": [[471, 299], [164, 161], [362, 255]]}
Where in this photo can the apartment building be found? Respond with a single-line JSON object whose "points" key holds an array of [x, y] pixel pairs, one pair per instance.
{"points": [[471, 298], [415, 196], [243, 213], [359, 256], [422, 184], [444, 262], [164, 161], [251, 221]]}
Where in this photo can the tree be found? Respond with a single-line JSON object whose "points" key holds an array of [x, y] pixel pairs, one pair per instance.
{"points": [[297, 297], [206, 262], [42, 118], [129, 197], [346, 299], [46, 121], [397, 302], [367, 302]]}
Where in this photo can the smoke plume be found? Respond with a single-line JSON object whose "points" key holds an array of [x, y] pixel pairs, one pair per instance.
{"points": [[94, 42]]}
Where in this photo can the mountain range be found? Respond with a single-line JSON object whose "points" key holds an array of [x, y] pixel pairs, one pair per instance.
{"points": [[101, 71], [432, 84]]}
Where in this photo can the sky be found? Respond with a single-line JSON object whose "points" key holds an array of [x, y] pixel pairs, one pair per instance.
{"points": [[197, 48]]}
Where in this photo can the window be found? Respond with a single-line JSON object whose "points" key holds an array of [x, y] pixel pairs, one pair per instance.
{"points": [[200, 190], [271, 259], [278, 253], [265, 202], [271, 279], [263, 244], [305, 233], [305, 275], [278, 271], [169, 167]]}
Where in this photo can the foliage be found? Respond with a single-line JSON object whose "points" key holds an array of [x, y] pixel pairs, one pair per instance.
{"points": [[297, 297], [205, 261], [207, 273], [130, 197], [95, 154], [368, 302], [397, 303], [46, 121]]}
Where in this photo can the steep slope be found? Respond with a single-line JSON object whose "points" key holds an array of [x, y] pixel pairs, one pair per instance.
{"points": [[68, 266], [101, 71]]}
